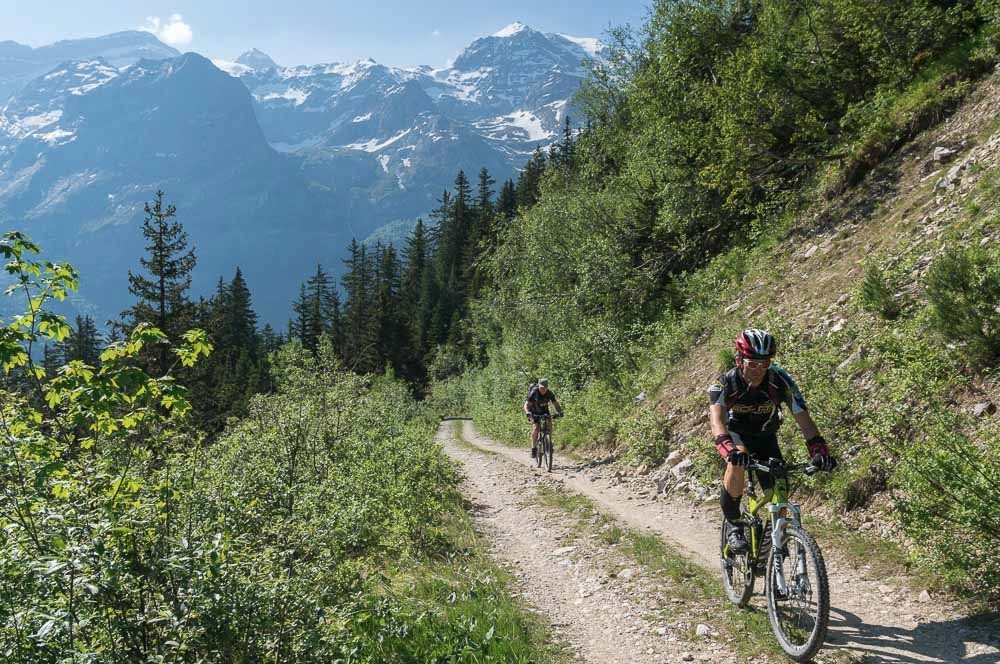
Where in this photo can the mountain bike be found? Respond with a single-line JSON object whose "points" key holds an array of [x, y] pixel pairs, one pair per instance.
{"points": [[544, 440], [795, 581]]}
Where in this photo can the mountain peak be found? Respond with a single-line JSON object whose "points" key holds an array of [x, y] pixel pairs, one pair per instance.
{"points": [[257, 59], [512, 29]]}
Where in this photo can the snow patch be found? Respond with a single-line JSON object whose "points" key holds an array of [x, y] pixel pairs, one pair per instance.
{"points": [[295, 95], [591, 45], [35, 122], [407, 162], [234, 69], [529, 123], [55, 136], [362, 118], [374, 145], [383, 159], [511, 29]]}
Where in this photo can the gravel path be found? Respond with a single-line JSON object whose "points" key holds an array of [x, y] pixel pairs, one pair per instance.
{"points": [[596, 601], [870, 619]]}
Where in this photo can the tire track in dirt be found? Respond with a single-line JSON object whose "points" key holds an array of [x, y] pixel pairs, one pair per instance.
{"points": [[870, 617]]}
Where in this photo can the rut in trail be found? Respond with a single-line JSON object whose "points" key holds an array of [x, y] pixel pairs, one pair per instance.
{"points": [[870, 617]]}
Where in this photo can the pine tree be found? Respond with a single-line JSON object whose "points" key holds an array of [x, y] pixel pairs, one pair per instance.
{"points": [[392, 338], [529, 179], [298, 326], [567, 150], [83, 343], [360, 334], [481, 232], [162, 295], [237, 332], [223, 384], [507, 202], [417, 278]]}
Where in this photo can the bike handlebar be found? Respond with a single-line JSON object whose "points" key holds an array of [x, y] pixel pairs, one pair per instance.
{"points": [[780, 469]]}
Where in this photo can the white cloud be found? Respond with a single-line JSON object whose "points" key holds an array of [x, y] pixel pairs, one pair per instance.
{"points": [[436, 33], [174, 31]]}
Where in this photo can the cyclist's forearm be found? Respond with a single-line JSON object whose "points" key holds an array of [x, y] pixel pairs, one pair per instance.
{"points": [[806, 425]]}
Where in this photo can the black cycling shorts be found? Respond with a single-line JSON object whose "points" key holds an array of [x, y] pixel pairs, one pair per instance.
{"points": [[762, 448]]}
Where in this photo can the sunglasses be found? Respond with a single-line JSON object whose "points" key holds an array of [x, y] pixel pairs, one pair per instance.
{"points": [[757, 364]]}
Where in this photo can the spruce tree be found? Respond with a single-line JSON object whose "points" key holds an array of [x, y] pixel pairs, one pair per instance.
{"points": [[162, 291], [83, 343], [360, 334], [481, 232], [507, 201], [529, 179], [417, 278]]}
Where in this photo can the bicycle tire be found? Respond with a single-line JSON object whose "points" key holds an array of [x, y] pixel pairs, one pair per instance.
{"points": [[805, 547], [539, 451], [736, 567], [548, 452]]}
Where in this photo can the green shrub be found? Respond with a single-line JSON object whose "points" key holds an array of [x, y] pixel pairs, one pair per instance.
{"points": [[646, 435], [877, 293], [963, 286], [947, 487]]}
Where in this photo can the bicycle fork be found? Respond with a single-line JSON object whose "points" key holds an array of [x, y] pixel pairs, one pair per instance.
{"points": [[777, 535]]}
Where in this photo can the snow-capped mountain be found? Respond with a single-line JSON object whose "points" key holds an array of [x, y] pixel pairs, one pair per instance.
{"points": [[19, 63], [271, 168], [502, 97]]}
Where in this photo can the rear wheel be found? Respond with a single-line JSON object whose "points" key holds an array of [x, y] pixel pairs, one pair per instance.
{"points": [[737, 571], [799, 615]]}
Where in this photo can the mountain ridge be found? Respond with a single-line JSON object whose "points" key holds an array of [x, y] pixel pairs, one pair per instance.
{"points": [[355, 146]]}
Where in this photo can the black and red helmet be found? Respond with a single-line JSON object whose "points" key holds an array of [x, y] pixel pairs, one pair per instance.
{"points": [[754, 344]]}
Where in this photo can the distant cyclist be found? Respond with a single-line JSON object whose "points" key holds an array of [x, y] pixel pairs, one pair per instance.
{"points": [[537, 403], [745, 413]]}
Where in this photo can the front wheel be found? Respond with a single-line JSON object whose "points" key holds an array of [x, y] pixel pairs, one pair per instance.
{"points": [[737, 572], [799, 612], [547, 446]]}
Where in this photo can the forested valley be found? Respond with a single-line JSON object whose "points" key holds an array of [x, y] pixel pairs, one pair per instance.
{"points": [[184, 484]]}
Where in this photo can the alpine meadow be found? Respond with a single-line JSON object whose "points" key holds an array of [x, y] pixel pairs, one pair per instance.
{"points": [[187, 479]]}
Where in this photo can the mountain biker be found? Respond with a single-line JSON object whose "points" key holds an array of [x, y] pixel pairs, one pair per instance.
{"points": [[537, 403], [745, 413]]}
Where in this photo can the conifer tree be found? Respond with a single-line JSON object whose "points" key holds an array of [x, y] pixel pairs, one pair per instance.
{"points": [[529, 179], [83, 343], [360, 334], [417, 281], [507, 201], [480, 233], [162, 292], [392, 341]]}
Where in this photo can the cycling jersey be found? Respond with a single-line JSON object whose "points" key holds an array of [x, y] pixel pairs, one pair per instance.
{"points": [[755, 411], [538, 403]]}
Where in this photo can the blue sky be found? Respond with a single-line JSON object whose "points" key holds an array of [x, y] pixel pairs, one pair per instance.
{"points": [[393, 32]]}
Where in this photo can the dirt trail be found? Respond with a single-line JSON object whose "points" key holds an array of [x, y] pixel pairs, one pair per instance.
{"points": [[596, 601], [870, 617]]}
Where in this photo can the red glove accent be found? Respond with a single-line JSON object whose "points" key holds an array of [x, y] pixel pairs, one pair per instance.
{"points": [[724, 444], [817, 447]]}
